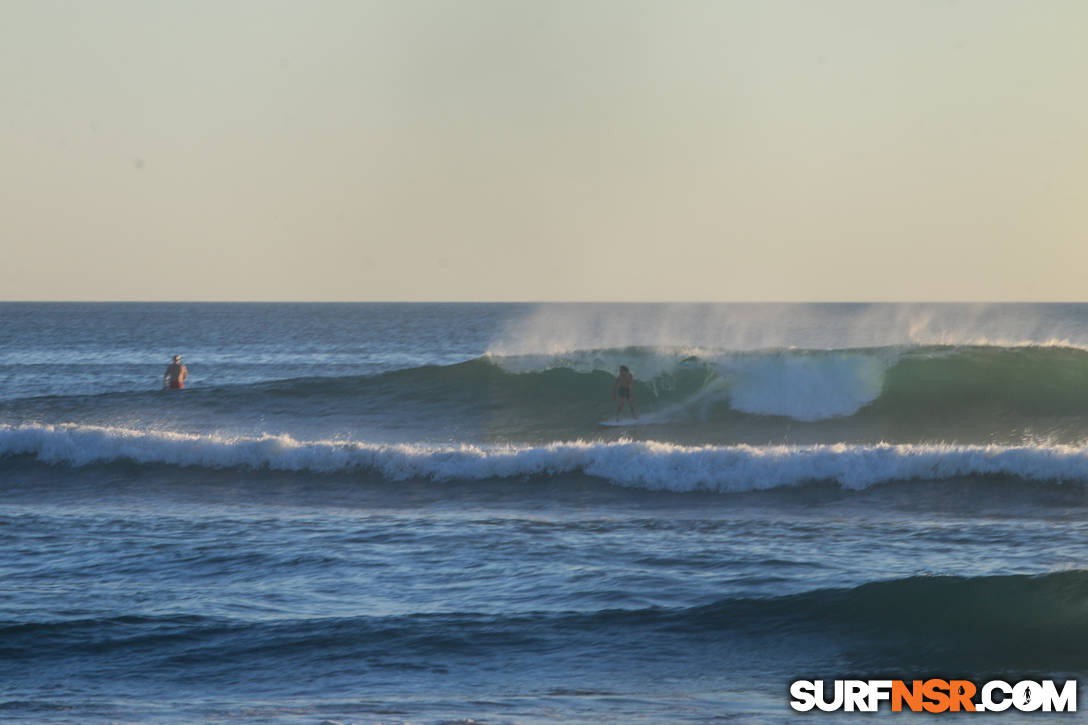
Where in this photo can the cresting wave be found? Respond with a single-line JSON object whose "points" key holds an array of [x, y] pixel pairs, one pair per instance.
{"points": [[649, 465], [910, 393], [813, 385]]}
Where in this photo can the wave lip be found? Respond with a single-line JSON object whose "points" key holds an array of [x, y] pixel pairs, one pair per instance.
{"points": [[647, 465]]}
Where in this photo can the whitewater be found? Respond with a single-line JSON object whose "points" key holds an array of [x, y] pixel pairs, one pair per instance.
{"points": [[431, 513], [644, 464]]}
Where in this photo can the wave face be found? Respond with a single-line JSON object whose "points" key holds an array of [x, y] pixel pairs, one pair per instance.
{"points": [[993, 621], [647, 465], [811, 385], [1010, 396], [804, 385]]}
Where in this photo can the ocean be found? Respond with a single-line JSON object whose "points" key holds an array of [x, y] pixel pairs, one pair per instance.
{"points": [[429, 513]]}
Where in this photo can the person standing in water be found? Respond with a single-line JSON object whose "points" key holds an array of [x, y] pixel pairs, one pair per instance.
{"points": [[174, 377], [624, 390]]}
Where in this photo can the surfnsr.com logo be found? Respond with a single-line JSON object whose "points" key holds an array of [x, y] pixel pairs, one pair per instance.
{"points": [[933, 695]]}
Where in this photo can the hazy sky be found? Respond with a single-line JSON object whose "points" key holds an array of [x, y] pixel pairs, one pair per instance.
{"points": [[546, 150]]}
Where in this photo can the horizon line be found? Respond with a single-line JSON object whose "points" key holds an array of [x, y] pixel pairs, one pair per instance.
{"points": [[548, 302]]}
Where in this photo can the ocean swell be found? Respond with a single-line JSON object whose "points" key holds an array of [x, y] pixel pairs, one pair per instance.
{"points": [[983, 622]]}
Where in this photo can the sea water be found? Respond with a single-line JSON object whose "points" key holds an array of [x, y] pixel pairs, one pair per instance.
{"points": [[430, 512]]}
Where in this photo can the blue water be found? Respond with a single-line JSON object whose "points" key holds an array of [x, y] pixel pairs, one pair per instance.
{"points": [[429, 513]]}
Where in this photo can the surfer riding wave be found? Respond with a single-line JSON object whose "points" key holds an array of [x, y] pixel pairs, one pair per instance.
{"points": [[623, 390]]}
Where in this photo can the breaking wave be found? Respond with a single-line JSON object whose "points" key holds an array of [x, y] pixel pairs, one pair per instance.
{"points": [[960, 394], [646, 464]]}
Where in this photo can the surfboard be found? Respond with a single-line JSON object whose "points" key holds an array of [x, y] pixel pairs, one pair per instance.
{"points": [[643, 420]]}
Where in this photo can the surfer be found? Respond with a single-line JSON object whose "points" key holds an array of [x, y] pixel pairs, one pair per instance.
{"points": [[623, 390], [174, 377]]}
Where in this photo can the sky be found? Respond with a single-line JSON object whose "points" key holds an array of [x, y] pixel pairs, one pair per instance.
{"points": [[342, 150]]}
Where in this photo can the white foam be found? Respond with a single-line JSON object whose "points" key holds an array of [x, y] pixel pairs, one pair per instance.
{"points": [[805, 386], [649, 465]]}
